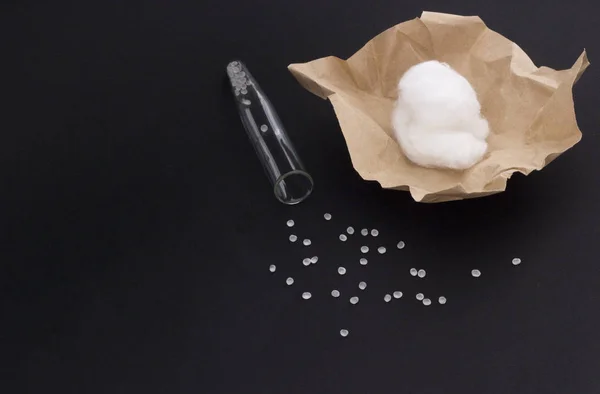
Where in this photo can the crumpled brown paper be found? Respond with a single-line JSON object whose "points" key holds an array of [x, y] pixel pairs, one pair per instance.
{"points": [[529, 108]]}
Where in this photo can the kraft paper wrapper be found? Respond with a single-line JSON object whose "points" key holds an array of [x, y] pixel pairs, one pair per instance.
{"points": [[530, 109]]}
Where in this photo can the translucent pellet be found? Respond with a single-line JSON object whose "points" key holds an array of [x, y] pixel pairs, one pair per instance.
{"points": [[306, 262], [401, 245], [290, 223], [516, 261], [341, 270], [306, 295], [350, 230], [374, 232], [397, 294], [426, 302], [289, 281], [476, 273], [354, 300], [264, 128], [364, 232], [362, 285], [344, 333], [335, 293], [421, 273], [314, 259], [343, 237], [414, 272], [306, 242], [272, 268], [363, 261], [327, 216], [381, 250], [364, 249], [293, 238], [420, 296], [442, 300], [387, 298]]}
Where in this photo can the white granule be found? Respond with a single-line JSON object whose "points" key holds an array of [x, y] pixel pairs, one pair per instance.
{"points": [[437, 119]]}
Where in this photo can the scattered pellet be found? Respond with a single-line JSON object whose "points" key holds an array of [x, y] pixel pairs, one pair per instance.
{"points": [[442, 300], [381, 249], [426, 302], [335, 293], [341, 270], [272, 268], [290, 223], [314, 259], [364, 249], [306, 295], [421, 273], [289, 281], [516, 261], [397, 294], [327, 216], [363, 261], [420, 296], [306, 262], [354, 300], [293, 238], [307, 242], [343, 237], [476, 273], [362, 285], [364, 232], [344, 332], [414, 272], [387, 298], [401, 245], [350, 230], [374, 232]]}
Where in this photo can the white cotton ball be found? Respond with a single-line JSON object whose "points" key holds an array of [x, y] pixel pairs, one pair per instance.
{"points": [[437, 119]]}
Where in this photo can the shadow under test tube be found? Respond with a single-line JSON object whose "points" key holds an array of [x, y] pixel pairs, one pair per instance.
{"points": [[291, 183]]}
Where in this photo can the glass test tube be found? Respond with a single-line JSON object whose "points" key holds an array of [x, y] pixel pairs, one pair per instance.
{"points": [[291, 183]]}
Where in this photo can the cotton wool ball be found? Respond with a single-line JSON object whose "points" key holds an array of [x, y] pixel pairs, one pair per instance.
{"points": [[437, 118]]}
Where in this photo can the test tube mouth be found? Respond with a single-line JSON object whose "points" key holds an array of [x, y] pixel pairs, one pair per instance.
{"points": [[293, 187]]}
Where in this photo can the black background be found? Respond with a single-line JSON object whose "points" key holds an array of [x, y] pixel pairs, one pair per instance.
{"points": [[137, 226]]}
